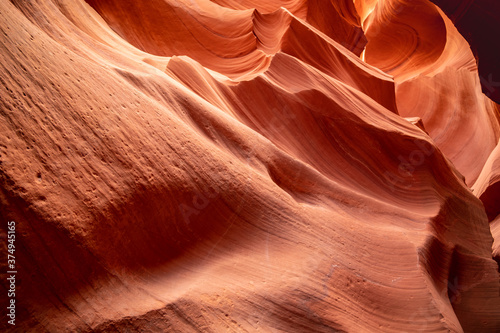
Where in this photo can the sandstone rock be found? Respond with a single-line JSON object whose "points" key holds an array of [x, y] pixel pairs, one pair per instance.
{"points": [[235, 166]]}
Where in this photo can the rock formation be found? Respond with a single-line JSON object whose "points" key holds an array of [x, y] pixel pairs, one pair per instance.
{"points": [[243, 166]]}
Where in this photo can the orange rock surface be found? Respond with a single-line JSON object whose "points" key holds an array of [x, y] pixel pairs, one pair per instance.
{"points": [[247, 166]]}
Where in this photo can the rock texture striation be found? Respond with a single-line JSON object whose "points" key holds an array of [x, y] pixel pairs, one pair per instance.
{"points": [[245, 166]]}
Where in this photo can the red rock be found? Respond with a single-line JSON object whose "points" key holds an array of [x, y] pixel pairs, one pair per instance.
{"points": [[495, 231], [487, 186], [235, 166], [478, 21]]}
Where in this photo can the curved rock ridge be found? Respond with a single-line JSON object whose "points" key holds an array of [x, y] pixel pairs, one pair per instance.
{"points": [[425, 55], [235, 166], [487, 186], [219, 38], [495, 231], [211, 38], [477, 21], [337, 19], [404, 37], [487, 189]]}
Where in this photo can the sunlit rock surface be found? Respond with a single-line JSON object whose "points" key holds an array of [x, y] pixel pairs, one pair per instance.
{"points": [[479, 22], [243, 166]]}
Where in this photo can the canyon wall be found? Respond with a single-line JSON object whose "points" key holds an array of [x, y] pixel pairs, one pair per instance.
{"points": [[243, 166]]}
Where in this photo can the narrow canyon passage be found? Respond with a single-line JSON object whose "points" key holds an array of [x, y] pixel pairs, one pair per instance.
{"points": [[249, 166]]}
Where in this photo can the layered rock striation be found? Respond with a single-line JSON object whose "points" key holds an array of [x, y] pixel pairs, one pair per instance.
{"points": [[242, 166]]}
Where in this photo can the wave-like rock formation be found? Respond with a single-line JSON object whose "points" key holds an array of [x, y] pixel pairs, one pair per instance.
{"points": [[479, 21], [243, 166]]}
